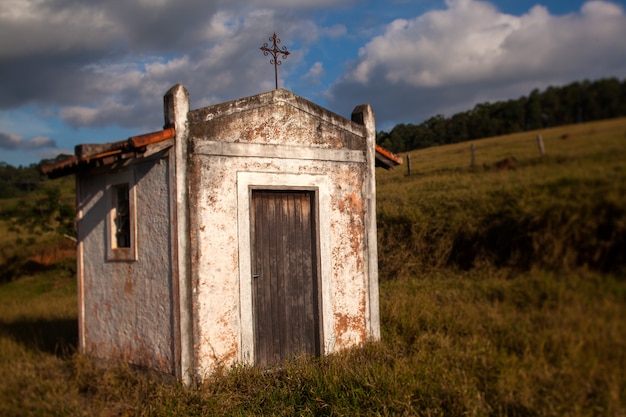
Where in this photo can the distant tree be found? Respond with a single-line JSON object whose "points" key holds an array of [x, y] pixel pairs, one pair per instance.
{"points": [[513, 115], [436, 129], [382, 139], [622, 107], [458, 129], [399, 137], [16, 182], [533, 111], [607, 93], [571, 104], [480, 123], [550, 107]]}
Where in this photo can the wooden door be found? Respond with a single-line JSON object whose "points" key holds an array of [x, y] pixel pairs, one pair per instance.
{"points": [[284, 275]]}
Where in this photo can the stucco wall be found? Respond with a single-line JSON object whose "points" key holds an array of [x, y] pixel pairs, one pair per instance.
{"points": [[273, 137], [127, 307]]}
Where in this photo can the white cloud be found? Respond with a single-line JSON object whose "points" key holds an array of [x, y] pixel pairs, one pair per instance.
{"points": [[315, 73], [601, 9], [80, 116], [472, 52], [10, 141], [40, 142], [336, 31], [220, 25]]}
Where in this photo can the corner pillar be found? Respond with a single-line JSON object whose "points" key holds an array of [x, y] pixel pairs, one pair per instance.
{"points": [[364, 115], [176, 109]]}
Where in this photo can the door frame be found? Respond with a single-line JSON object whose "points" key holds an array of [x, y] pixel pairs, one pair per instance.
{"points": [[319, 184]]}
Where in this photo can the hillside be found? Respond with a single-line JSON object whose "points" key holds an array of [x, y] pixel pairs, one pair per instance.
{"points": [[561, 211], [503, 293]]}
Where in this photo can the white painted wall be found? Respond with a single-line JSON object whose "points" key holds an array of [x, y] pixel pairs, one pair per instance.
{"points": [[127, 308], [276, 140]]}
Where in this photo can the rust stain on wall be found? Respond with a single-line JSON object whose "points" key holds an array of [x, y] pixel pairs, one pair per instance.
{"points": [[347, 325], [352, 205], [128, 286]]}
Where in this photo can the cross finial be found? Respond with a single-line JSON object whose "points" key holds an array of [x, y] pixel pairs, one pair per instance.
{"points": [[275, 51]]}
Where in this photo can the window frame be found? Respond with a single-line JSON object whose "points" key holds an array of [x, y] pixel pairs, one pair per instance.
{"points": [[113, 182]]}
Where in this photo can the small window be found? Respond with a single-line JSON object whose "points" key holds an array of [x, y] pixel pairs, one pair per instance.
{"points": [[121, 217], [121, 208]]}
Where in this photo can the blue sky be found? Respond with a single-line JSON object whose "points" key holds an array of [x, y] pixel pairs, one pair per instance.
{"points": [[76, 72]]}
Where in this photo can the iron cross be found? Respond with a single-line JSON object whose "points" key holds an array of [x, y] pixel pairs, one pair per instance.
{"points": [[275, 51]]}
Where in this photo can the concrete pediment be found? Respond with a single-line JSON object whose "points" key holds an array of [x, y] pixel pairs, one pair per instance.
{"points": [[276, 117]]}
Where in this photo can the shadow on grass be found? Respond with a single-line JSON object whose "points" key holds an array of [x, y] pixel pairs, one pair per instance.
{"points": [[58, 336], [16, 267]]}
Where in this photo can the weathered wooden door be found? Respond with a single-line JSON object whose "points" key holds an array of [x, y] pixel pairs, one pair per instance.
{"points": [[284, 275]]}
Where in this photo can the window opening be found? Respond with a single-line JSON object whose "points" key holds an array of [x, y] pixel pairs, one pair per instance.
{"points": [[121, 204], [121, 226]]}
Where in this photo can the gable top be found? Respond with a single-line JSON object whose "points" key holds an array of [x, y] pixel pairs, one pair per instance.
{"points": [[278, 97]]}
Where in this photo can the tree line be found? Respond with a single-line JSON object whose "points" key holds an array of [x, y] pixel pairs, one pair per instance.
{"points": [[20, 181], [555, 106]]}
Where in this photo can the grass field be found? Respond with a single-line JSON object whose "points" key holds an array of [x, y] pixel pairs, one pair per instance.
{"points": [[503, 293], [562, 211]]}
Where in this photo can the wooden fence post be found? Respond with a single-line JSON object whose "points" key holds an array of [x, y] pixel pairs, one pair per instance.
{"points": [[408, 164], [542, 151]]}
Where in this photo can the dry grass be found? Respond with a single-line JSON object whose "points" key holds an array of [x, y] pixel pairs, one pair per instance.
{"points": [[476, 343], [574, 141], [472, 325], [562, 211]]}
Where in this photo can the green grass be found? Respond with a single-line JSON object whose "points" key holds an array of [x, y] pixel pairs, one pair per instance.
{"points": [[559, 212], [471, 343], [503, 293], [38, 333], [538, 344]]}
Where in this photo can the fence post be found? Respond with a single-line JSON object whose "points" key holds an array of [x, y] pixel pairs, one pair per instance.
{"points": [[473, 155], [542, 151], [408, 164]]}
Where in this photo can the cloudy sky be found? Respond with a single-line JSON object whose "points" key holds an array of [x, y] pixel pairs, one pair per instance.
{"points": [[75, 71]]}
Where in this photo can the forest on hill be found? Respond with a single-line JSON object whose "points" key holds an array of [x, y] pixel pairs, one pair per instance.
{"points": [[577, 102]]}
